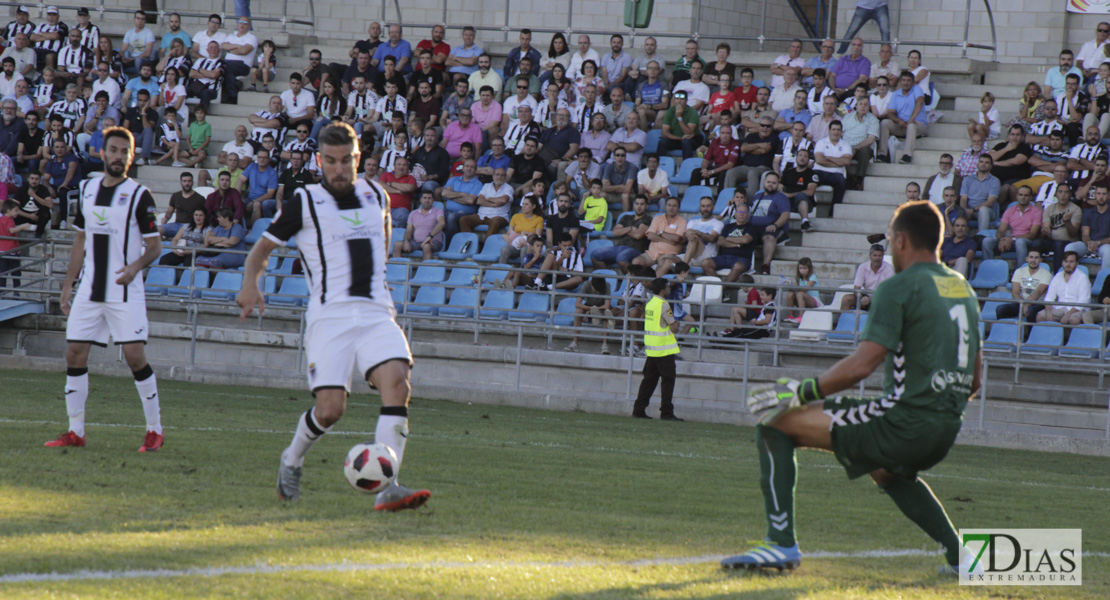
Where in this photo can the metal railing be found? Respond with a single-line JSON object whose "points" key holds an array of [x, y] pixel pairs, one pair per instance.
{"points": [[551, 318], [696, 34], [102, 8]]}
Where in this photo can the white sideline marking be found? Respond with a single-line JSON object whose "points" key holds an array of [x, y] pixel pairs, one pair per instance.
{"points": [[345, 567], [664, 453]]}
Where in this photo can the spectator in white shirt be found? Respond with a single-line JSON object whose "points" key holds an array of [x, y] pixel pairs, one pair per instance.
{"points": [[241, 48], [1068, 286], [299, 104], [584, 53], [211, 34], [792, 60], [833, 155]]}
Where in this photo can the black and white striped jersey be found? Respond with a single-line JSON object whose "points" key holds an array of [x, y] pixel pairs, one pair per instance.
{"points": [[52, 45], [260, 132], [74, 60], [69, 111], [90, 37], [362, 104], [209, 64], [342, 242], [67, 135], [115, 220], [44, 93], [182, 63], [14, 27]]}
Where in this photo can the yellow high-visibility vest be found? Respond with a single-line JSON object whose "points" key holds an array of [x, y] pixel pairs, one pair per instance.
{"points": [[658, 339]]}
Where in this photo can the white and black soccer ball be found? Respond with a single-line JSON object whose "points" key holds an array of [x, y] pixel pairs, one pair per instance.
{"points": [[370, 467]]}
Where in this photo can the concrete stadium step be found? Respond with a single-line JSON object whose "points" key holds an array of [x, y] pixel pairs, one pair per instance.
{"points": [[871, 198], [148, 174], [841, 223], [894, 187], [1017, 77], [943, 129], [976, 91], [823, 240], [870, 213], [829, 255], [940, 145], [1006, 105], [918, 169]]}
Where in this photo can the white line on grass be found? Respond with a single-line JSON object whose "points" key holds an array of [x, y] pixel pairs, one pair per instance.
{"points": [[354, 567], [561, 446]]}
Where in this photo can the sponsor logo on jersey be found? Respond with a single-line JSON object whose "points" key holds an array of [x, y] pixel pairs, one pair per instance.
{"points": [[951, 287], [355, 222], [122, 200], [101, 217], [942, 379]]}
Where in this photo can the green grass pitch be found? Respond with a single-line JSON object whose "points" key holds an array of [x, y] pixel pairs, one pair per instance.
{"points": [[525, 504]]}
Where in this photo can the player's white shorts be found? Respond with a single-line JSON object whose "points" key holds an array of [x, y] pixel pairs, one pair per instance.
{"points": [[92, 322], [344, 334]]}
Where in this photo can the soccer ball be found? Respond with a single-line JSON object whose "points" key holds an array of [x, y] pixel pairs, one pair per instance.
{"points": [[370, 467]]}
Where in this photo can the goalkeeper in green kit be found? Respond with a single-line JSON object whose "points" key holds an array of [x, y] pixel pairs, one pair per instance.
{"points": [[923, 327]]}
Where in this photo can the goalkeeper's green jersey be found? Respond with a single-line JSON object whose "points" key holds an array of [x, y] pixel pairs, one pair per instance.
{"points": [[927, 317]]}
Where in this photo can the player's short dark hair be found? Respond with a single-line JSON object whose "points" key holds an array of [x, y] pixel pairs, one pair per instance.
{"points": [[338, 134], [658, 285], [118, 132], [921, 223]]}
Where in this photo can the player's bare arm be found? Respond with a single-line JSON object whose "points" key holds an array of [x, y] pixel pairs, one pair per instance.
{"points": [[76, 259], [150, 254], [250, 295]]}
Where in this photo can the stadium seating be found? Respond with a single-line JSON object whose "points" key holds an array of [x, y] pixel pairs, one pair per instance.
{"points": [[592, 247], [990, 307], [491, 250], [158, 280], [197, 282], [401, 295], [293, 292], [667, 165], [991, 274], [1002, 338], [652, 145], [428, 300], [496, 305], [691, 200], [463, 246], [430, 271], [225, 285], [396, 271], [463, 274], [533, 306], [847, 328], [564, 313], [813, 326], [722, 200], [1085, 342], [462, 304], [686, 170], [1043, 339], [257, 230]]}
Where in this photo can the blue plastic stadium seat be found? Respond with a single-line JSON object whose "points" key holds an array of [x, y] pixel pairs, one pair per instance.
{"points": [[691, 200], [462, 303], [396, 235], [722, 200], [430, 271], [495, 273], [564, 314], [286, 267], [293, 292], [257, 230], [1002, 338], [400, 293], [491, 250], [667, 165], [653, 138], [533, 306], [497, 304], [592, 247], [199, 282], [431, 296], [846, 327], [269, 285], [686, 170], [1083, 342], [158, 280], [396, 271], [463, 246], [610, 277], [991, 274], [224, 286], [463, 274], [1043, 338], [990, 307]]}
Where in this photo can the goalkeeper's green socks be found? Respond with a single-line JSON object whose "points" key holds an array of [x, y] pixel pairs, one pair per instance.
{"points": [[778, 475], [917, 502]]}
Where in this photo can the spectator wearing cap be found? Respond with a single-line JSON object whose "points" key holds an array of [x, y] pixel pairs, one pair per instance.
{"points": [[138, 46], [240, 47], [680, 128], [90, 34], [396, 47], [21, 24], [49, 37], [868, 277]]}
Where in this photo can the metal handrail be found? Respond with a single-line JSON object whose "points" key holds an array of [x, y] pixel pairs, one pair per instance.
{"points": [[101, 8]]}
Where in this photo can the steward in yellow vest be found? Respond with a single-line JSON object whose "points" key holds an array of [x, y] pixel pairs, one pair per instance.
{"points": [[660, 346]]}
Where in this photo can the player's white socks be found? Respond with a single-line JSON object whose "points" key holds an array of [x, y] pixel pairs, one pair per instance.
{"points": [[308, 431], [393, 430], [77, 392], [148, 393]]}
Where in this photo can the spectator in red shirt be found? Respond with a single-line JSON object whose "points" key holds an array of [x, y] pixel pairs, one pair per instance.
{"points": [[746, 94], [439, 49], [8, 228], [225, 196], [723, 154], [400, 185], [722, 99]]}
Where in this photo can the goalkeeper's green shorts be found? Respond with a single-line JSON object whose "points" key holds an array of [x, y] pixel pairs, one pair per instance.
{"points": [[878, 433]]}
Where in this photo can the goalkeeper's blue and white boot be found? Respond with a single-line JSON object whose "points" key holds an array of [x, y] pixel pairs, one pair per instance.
{"points": [[767, 555]]}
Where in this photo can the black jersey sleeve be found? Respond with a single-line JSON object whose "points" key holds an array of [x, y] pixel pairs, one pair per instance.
{"points": [[289, 218], [146, 215]]}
